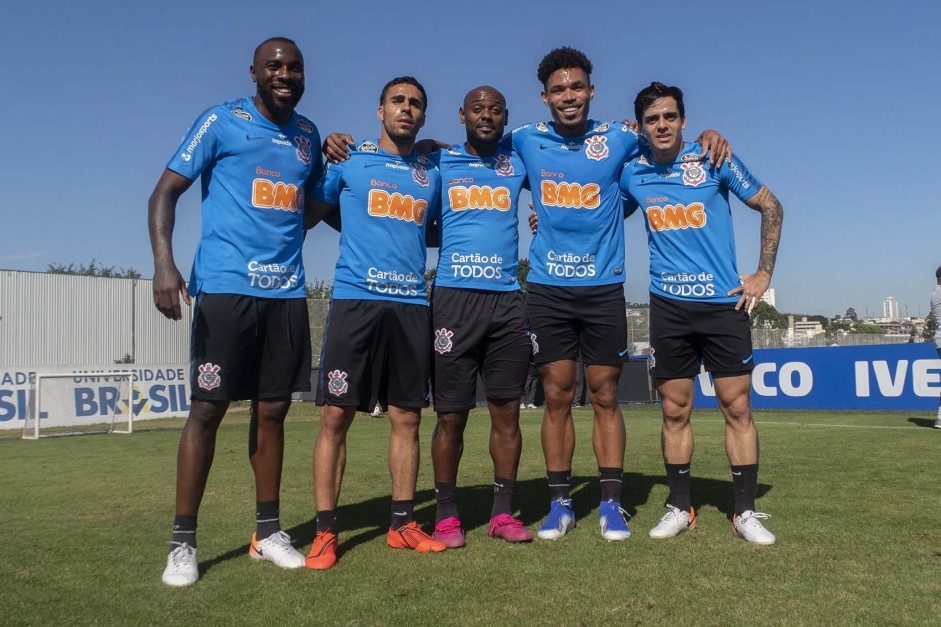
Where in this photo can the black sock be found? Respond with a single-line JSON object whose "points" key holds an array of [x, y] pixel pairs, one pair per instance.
{"points": [[184, 531], [446, 496], [745, 484], [327, 521], [503, 490], [678, 481], [402, 513], [611, 483], [267, 519], [560, 481]]}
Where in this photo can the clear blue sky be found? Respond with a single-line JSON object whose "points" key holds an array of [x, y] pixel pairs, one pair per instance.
{"points": [[831, 103]]}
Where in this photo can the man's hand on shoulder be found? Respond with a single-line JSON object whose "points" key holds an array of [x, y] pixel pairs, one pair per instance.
{"points": [[337, 147]]}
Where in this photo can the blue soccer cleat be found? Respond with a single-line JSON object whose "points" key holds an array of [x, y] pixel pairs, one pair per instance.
{"points": [[561, 518]]}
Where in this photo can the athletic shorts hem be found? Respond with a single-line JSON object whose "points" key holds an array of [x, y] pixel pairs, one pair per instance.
{"points": [[454, 409]]}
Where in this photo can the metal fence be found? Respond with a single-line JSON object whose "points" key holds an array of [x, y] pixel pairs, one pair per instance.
{"points": [[56, 319]]}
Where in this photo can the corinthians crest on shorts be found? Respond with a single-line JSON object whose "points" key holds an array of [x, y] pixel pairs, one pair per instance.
{"points": [[336, 383], [419, 174], [443, 343], [596, 147], [693, 173], [209, 378]]}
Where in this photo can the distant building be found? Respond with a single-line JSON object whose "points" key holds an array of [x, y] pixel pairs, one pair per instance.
{"points": [[802, 331], [768, 297], [890, 309]]}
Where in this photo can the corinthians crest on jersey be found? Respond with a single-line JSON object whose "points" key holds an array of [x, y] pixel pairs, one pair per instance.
{"points": [[503, 165], [443, 343], [419, 174], [596, 147], [693, 173]]}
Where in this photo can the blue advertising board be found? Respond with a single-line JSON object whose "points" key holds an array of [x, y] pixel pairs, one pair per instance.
{"points": [[886, 376]]}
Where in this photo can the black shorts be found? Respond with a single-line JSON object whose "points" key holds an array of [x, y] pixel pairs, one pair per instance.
{"points": [[477, 331], [566, 320], [246, 347], [685, 334], [375, 349]]}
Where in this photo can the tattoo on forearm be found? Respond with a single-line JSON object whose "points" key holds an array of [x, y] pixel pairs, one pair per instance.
{"points": [[772, 215]]}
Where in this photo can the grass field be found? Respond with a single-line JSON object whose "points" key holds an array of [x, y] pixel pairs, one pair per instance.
{"points": [[853, 497]]}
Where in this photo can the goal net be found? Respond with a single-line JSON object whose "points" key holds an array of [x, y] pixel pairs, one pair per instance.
{"points": [[74, 403]]}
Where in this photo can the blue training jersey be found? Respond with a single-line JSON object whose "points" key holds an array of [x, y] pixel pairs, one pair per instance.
{"points": [[255, 175], [580, 241], [479, 220], [386, 202], [689, 223]]}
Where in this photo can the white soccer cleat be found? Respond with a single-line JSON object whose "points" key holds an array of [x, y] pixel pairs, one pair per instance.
{"points": [[522, 405], [937, 422], [182, 569], [674, 522], [530, 406], [748, 525], [276, 549]]}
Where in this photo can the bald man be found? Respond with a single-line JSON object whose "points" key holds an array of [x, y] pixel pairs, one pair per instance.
{"points": [[478, 312], [251, 339]]}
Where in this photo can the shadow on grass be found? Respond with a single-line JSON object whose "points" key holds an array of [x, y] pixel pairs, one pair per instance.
{"points": [[369, 520], [922, 422]]}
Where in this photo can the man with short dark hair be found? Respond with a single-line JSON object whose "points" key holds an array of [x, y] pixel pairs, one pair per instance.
{"points": [[258, 160], [377, 326], [576, 296], [698, 301], [936, 313]]}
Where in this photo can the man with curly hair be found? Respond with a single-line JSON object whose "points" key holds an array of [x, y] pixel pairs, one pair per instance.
{"points": [[576, 297]]}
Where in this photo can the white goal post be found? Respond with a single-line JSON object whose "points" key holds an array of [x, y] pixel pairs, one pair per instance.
{"points": [[74, 403]]}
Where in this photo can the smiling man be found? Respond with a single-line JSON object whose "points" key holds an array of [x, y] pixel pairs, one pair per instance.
{"points": [[377, 327], [478, 312], [258, 161], [576, 296], [698, 301]]}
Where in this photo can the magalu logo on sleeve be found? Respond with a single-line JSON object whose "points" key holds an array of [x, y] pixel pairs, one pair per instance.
{"points": [[305, 126], [240, 113], [367, 147]]}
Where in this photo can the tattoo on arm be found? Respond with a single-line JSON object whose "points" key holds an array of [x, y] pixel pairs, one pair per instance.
{"points": [[772, 215]]}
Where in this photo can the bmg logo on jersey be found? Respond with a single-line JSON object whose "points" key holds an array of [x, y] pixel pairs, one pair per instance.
{"points": [[397, 206], [277, 195], [572, 195], [479, 197], [673, 217]]}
